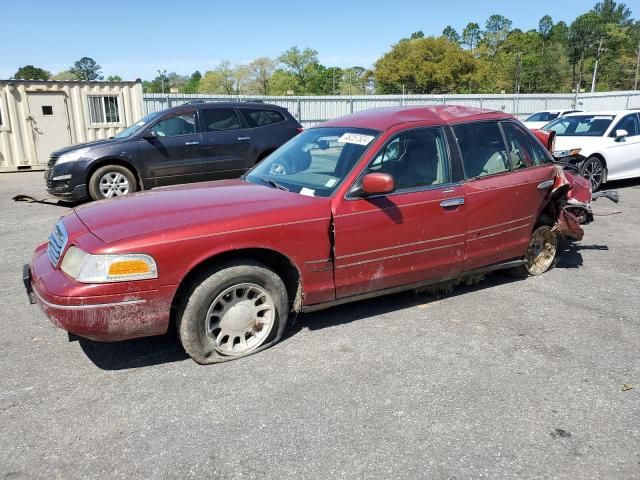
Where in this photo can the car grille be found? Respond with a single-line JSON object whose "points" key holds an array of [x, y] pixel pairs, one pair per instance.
{"points": [[52, 161], [57, 242]]}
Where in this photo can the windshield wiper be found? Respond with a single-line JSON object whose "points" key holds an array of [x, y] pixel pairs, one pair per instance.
{"points": [[273, 183]]}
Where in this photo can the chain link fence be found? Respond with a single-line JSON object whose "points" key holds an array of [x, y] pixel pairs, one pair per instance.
{"points": [[310, 110]]}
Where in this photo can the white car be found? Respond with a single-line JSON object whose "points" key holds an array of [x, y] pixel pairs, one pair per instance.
{"points": [[540, 119], [605, 145]]}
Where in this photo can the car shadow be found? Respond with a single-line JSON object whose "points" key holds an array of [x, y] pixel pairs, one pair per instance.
{"points": [[46, 201], [136, 353], [571, 256]]}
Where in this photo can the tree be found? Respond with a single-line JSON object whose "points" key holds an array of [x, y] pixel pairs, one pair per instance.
{"points": [[545, 26], [86, 69], [221, 80], [283, 82], [300, 64], [418, 34], [65, 75], [612, 12], [114, 78], [29, 72], [450, 34], [193, 85], [260, 72], [496, 30], [584, 34], [426, 65], [471, 36]]}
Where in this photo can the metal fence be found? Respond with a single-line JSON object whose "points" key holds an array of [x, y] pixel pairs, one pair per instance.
{"points": [[310, 110]]}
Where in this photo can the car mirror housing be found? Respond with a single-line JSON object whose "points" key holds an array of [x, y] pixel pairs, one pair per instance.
{"points": [[150, 135], [621, 133], [376, 184]]}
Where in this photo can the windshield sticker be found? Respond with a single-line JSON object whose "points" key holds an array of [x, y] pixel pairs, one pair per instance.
{"points": [[356, 138], [308, 192], [331, 182]]}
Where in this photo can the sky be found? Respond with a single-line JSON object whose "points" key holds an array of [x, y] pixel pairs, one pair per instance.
{"points": [[136, 38]]}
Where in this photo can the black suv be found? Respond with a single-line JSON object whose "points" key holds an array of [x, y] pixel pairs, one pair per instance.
{"points": [[190, 143]]}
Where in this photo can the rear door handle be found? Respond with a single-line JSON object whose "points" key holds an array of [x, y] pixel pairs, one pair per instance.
{"points": [[243, 139], [452, 202], [546, 184], [191, 144]]}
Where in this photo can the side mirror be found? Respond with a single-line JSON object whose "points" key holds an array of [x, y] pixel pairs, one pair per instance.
{"points": [[376, 184], [620, 134], [150, 135]]}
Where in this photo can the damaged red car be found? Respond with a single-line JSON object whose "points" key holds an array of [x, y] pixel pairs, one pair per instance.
{"points": [[375, 202]]}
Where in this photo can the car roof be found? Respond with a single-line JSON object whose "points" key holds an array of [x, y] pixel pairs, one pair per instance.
{"points": [[386, 117], [601, 112], [234, 104]]}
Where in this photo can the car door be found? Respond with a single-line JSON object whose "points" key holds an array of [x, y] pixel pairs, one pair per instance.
{"points": [[623, 154], [226, 142], [169, 150], [414, 234], [499, 213]]}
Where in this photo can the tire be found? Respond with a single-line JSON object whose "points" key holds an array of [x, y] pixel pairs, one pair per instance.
{"points": [[111, 181], [593, 170], [234, 310], [543, 251]]}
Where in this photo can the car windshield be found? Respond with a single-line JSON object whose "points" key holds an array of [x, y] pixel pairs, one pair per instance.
{"points": [[127, 132], [314, 162], [542, 117], [580, 125]]}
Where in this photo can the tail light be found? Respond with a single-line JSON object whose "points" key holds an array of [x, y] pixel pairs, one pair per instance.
{"points": [[299, 129]]}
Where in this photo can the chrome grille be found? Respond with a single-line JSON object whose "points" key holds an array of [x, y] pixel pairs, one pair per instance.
{"points": [[57, 242]]}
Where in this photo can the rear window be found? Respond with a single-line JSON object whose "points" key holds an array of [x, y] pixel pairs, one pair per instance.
{"points": [[215, 119], [260, 118]]}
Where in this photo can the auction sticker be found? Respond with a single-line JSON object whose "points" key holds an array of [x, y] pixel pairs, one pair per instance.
{"points": [[357, 138]]}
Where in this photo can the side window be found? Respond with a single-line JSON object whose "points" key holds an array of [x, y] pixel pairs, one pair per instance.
{"points": [[179, 124], [482, 149], [628, 123], [260, 118], [215, 119], [523, 150], [415, 158]]}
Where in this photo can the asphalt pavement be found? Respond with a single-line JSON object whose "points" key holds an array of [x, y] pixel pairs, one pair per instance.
{"points": [[535, 378]]}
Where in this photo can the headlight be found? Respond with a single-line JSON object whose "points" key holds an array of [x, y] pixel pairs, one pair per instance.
{"points": [[87, 268], [566, 153], [74, 155]]}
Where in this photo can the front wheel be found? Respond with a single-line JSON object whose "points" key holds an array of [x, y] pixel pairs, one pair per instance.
{"points": [[542, 252], [111, 181], [593, 170], [233, 311]]}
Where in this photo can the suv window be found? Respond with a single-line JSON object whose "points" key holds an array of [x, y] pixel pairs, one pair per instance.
{"points": [[628, 123], [415, 158], [215, 119], [178, 124], [482, 149], [260, 118]]}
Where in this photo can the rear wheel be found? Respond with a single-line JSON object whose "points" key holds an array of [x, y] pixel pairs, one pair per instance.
{"points": [[233, 311], [111, 181], [593, 170]]}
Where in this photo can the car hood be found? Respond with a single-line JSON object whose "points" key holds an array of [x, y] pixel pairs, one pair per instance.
{"points": [[207, 207], [96, 143]]}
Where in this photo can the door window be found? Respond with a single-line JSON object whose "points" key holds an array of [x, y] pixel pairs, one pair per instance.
{"points": [[415, 158], [628, 123], [482, 148], [524, 150], [216, 119], [179, 124], [260, 118]]}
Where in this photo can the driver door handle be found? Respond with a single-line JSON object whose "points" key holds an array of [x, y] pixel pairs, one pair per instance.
{"points": [[243, 139], [191, 144], [452, 202]]}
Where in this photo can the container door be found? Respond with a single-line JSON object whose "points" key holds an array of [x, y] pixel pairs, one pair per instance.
{"points": [[50, 123]]}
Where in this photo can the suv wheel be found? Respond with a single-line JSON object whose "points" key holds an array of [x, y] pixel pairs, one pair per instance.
{"points": [[111, 181], [233, 311]]}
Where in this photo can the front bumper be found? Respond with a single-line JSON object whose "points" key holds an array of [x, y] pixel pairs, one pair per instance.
{"points": [[85, 312], [69, 184]]}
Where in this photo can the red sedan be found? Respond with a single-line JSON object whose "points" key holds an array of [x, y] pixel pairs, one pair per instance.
{"points": [[376, 202]]}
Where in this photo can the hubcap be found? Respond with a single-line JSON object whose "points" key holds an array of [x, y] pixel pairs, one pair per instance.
{"points": [[114, 184], [240, 319], [541, 251], [593, 172]]}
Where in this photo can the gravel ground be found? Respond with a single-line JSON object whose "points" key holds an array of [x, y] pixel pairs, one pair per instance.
{"points": [[505, 379]]}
